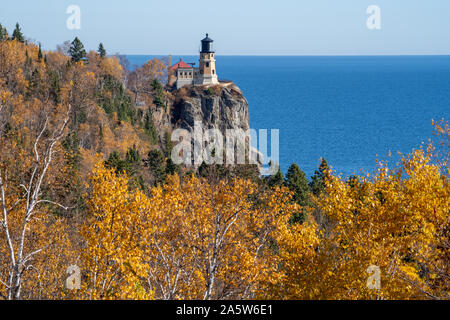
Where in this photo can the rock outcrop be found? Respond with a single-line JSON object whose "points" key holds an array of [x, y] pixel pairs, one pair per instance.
{"points": [[216, 107], [219, 107]]}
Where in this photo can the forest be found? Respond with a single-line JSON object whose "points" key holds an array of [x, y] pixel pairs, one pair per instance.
{"points": [[88, 189]]}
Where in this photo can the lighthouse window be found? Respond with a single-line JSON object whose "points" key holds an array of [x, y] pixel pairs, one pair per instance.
{"points": [[207, 64], [214, 71]]}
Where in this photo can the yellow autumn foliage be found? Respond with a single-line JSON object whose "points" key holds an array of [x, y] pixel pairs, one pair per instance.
{"points": [[397, 220]]}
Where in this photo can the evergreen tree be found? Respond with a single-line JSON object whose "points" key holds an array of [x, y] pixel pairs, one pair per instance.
{"points": [[203, 170], [158, 95], [17, 34], [71, 145], [168, 144], [277, 179], [247, 171], [116, 162], [133, 161], [3, 33], [35, 82], [131, 165], [40, 53], [77, 51], [28, 64], [317, 184], [297, 182], [156, 163], [150, 128], [171, 168], [133, 156], [101, 50]]}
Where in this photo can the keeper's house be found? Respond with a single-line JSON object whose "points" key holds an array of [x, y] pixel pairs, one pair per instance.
{"points": [[182, 73]]}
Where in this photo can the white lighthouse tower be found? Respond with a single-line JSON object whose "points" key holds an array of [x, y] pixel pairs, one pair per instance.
{"points": [[207, 64]]}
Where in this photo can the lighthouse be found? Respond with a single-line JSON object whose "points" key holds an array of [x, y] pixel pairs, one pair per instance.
{"points": [[207, 63], [182, 74]]}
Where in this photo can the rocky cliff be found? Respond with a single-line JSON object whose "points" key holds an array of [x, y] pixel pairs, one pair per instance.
{"points": [[219, 107]]}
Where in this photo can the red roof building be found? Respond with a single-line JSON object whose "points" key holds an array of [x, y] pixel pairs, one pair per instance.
{"points": [[180, 65], [182, 74]]}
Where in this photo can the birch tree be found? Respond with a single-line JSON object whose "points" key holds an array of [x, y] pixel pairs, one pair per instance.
{"points": [[24, 176]]}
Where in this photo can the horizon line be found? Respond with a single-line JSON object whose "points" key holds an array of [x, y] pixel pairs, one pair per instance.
{"points": [[289, 55]]}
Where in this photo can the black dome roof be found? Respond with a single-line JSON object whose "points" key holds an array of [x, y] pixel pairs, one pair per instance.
{"points": [[207, 39]]}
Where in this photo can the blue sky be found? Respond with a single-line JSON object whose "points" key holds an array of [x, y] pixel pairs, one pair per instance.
{"points": [[239, 27]]}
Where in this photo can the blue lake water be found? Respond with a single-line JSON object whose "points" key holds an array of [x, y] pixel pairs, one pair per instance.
{"points": [[351, 110]]}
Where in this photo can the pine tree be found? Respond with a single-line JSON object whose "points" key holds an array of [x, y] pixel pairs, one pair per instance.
{"points": [[156, 162], [17, 34], [317, 184], [133, 161], [277, 179], [40, 53], [171, 168], [28, 60], [3, 33], [168, 144], [297, 182], [77, 51], [158, 95], [116, 162], [150, 128], [133, 156], [101, 51]]}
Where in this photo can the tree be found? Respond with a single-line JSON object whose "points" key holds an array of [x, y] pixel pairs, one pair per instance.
{"points": [[28, 228], [277, 179], [114, 260], [17, 34], [141, 80], [297, 182], [101, 51], [77, 51], [168, 144], [158, 95], [116, 162], [156, 163], [212, 241], [317, 183], [40, 53], [149, 127], [189, 240], [171, 168], [3, 33], [64, 48], [397, 220]]}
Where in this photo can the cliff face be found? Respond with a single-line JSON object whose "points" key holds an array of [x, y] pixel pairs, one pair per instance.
{"points": [[220, 107]]}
